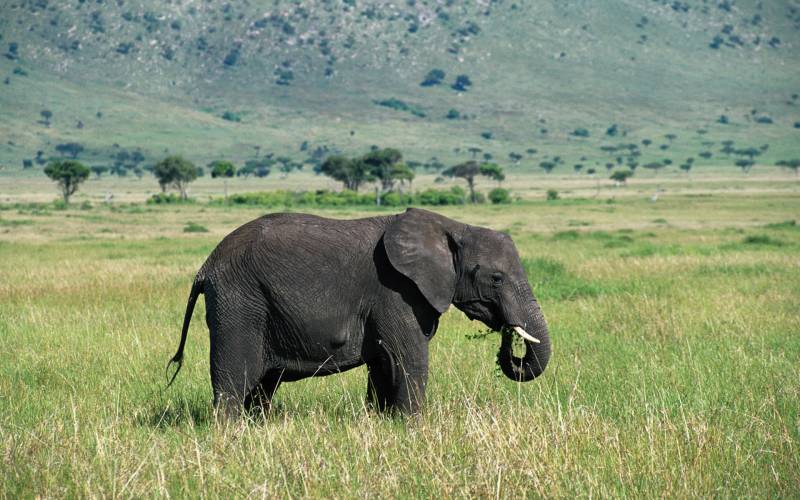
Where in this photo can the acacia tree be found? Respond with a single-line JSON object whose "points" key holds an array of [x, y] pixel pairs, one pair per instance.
{"points": [[350, 172], [655, 166], [547, 166], [493, 171], [287, 165], [471, 169], [687, 165], [386, 166], [793, 164], [750, 153], [69, 174], [621, 176], [99, 170], [73, 149], [177, 172], [745, 165], [224, 169], [46, 115]]}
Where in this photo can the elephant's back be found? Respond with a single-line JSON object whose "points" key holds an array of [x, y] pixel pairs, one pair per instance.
{"points": [[297, 244]]}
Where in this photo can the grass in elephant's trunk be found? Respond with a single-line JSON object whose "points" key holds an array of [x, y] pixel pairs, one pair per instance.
{"points": [[528, 366]]}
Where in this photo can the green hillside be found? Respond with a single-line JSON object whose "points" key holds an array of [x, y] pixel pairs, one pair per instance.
{"points": [[561, 78]]}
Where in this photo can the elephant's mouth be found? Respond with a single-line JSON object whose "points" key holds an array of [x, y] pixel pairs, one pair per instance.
{"points": [[529, 365], [522, 333]]}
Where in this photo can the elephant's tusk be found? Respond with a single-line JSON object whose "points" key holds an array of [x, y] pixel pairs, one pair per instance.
{"points": [[525, 335]]}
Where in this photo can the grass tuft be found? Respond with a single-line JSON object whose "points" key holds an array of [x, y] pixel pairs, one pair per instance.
{"points": [[193, 227]]}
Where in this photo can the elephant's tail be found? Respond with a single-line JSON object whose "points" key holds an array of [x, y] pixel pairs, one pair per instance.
{"points": [[197, 289]]}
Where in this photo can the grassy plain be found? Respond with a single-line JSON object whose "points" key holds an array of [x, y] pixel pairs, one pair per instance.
{"points": [[675, 368]]}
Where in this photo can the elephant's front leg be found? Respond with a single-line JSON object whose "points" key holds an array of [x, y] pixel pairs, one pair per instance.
{"points": [[398, 374]]}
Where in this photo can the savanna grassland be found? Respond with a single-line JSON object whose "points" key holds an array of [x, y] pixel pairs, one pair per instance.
{"points": [[674, 373]]}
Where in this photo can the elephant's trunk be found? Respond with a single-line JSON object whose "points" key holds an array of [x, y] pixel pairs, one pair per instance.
{"points": [[537, 351]]}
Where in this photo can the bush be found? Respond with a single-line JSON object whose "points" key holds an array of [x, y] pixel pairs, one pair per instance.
{"points": [[192, 227], [462, 83], [167, 199], [325, 198], [762, 239], [396, 200], [499, 196], [455, 196], [399, 105], [552, 194], [434, 77], [580, 132]]}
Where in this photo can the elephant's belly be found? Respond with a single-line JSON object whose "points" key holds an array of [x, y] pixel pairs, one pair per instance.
{"points": [[317, 348]]}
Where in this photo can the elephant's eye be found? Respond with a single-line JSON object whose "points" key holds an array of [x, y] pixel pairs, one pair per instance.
{"points": [[497, 278]]}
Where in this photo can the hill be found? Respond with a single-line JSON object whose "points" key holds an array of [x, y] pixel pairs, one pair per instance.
{"points": [[540, 81]]}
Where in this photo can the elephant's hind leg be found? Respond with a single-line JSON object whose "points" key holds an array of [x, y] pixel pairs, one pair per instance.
{"points": [[237, 352]]}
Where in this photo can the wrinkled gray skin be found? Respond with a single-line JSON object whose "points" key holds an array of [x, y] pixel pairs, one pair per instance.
{"points": [[290, 296]]}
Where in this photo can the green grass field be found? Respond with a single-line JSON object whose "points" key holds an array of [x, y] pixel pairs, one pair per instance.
{"points": [[675, 367]]}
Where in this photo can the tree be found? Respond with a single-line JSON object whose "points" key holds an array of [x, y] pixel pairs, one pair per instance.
{"points": [[687, 165], [259, 167], [46, 114], [655, 166], [224, 169], [99, 170], [73, 149], [462, 83], [790, 164], [434, 77], [727, 147], [467, 171], [177, 172], [493, 171], [385, 166], [621, 176], [471, 169], [350, 172], [751, 153], [474, 151], [69, 174], [745, 165], [547, 166], [287, 165]]}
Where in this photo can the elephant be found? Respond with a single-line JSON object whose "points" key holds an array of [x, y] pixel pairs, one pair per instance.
{"points": [[290, 296]]}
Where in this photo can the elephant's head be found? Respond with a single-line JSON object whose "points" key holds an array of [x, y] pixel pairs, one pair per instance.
{"points": [[479, 271]]}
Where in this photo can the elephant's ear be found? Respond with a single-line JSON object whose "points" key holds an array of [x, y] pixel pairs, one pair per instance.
{"points": [[419, 245]]}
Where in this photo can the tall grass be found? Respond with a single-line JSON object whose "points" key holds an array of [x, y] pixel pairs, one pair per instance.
{"points": [[674, 373]]}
